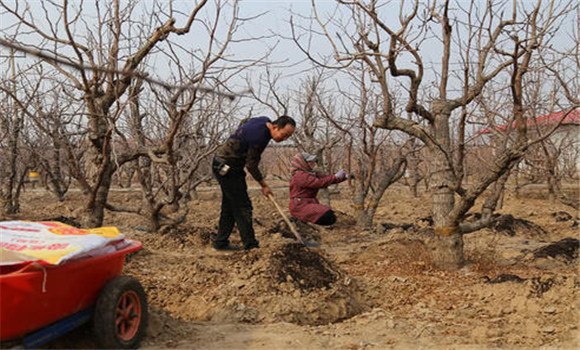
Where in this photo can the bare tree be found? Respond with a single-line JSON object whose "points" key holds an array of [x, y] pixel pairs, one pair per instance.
{"points": [[493, 42], [378, 161], [553, 158], [100, 59], [562, 153], [12, 172], [181, 129], [560, 163], [56, 134], [182, 147], [415, 172]]}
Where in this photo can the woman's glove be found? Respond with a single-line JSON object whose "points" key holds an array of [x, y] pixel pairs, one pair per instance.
{"points": [[340, 175]]}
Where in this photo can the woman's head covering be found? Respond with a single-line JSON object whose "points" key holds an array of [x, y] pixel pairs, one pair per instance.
{"points": [[300, 162], [309, 157]]}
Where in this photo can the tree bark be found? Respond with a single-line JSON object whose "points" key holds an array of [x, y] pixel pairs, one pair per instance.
{"points": [[447, 250], [364, 221], [95, 209]]}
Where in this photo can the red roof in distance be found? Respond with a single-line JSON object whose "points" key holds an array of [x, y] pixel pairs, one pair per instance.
{"points": [[545, 120]]}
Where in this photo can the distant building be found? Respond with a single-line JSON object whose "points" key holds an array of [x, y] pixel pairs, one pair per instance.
{"points": [[566, 137], [569, 125]]}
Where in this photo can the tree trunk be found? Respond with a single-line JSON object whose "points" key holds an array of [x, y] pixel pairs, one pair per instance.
{"points": [[149, 204], [324, 196], [364, 221], [447, 250], [194, 194], [517, 183], [55, 181], [129, 180], [152, 216], [414, 190], [98, 200], [501, 199], [100, 150], [551, 188], [9, 198], [414, 176]]}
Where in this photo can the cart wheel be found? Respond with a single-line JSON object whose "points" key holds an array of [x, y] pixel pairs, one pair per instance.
{"points": [[121, 314]]}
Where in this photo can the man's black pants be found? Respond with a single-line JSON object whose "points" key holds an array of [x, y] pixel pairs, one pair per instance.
{"points": [[236, 207]]}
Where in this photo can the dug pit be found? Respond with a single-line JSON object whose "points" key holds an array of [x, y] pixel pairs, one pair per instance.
{"points": [[304, 268]]}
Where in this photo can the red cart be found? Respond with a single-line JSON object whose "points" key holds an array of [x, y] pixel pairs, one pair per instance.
{"points": [[39, 303]]}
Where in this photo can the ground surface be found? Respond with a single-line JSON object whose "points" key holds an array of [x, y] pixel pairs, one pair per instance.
{"points": [[361, 290]]}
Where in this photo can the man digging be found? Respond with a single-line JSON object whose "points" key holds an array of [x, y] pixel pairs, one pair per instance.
{"points": [[244, 149]]}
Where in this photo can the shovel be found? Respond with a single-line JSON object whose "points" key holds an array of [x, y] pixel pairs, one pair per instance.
{"points": [[292, 228]]}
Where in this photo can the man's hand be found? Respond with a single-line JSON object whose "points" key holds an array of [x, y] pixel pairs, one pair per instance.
{"points": [[265, 188], [340, 175], [267, 191]]}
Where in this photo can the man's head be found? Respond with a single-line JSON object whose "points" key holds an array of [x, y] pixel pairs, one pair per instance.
{"points": [[282, 128]]}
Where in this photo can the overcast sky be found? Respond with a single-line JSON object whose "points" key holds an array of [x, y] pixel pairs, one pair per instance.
{"points": [[273, 26]]}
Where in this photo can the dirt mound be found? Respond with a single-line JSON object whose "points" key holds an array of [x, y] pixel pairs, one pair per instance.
{"points": [[304, 268], [504, 278], [511, 226], [384, 227], [281, 282], [178, 237], [566, 248], [505, 224], [561, 216], [291, 283], [537, 285]]}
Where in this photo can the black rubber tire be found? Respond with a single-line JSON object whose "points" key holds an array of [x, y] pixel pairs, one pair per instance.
{"points": [[104, 328]]}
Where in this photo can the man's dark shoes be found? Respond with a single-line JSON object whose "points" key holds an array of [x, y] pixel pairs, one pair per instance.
{"points": [[226, 248], [254, 245]]}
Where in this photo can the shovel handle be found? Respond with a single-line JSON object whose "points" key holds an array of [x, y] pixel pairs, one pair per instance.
{"points": [[292, 228]]}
